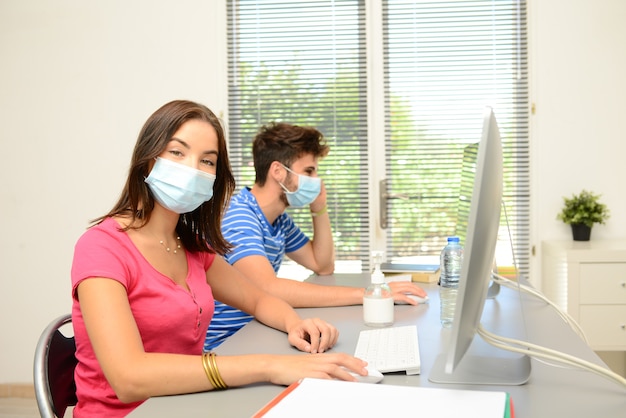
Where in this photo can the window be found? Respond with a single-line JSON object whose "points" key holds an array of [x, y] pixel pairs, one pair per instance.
{"points": [[444, 61], [398, 88]]}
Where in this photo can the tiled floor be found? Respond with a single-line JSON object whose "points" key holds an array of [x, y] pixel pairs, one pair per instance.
{"points": [[18, 408], [22, 408]]}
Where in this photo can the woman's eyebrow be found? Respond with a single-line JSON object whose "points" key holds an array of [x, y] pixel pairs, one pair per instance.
{"points": [[181, 142], [186, 145]]}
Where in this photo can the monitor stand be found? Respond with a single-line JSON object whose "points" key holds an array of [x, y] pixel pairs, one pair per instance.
{"points": [[494, 290], [484, 364]]}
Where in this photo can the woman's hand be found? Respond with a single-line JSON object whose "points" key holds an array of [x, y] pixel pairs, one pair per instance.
{"points": [[313, 335], [284, 370]]}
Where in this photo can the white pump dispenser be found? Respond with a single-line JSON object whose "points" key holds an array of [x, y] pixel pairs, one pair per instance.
{"points": [[378, 300]]}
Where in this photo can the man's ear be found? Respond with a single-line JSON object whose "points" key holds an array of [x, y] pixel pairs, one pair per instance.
{"points": [[277, 172]]}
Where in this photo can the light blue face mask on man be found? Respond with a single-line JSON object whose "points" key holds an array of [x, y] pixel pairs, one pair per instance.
{"points": [[308, 189], [178, 187]]}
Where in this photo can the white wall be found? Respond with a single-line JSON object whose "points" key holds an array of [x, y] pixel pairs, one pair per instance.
{"points": [[78, 79], [578, 85]]}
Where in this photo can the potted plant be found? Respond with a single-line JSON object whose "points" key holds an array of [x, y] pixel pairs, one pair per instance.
{"points": [[581, 211]]}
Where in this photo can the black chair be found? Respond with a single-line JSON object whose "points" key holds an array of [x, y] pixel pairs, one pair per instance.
{"points": [[53, 370]]}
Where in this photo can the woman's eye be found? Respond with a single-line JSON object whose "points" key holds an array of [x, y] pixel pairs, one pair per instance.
{"points": [[210, 163], [175, 153]]}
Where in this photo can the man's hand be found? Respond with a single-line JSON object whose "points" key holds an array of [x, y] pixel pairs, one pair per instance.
{"points": [[320, 201], [401, 289], [313, 335]]}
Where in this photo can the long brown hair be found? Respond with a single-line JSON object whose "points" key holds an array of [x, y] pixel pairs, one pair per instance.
{"points": [[198, 230]]}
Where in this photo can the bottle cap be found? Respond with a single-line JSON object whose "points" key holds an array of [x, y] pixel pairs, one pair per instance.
{"points": [[377, 276]]}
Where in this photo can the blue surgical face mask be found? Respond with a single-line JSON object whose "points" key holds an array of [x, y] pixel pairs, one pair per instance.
{"points": [[178, 187], [308, 190]]}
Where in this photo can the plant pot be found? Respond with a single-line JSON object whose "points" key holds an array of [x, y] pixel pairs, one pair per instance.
{"points": [[581, 232]]}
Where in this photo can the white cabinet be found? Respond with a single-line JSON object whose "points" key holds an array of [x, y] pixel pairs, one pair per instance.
{"points": [[588, 280]]}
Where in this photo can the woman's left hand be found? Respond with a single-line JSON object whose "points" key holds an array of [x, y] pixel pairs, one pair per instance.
{"points": [[313, 335]]}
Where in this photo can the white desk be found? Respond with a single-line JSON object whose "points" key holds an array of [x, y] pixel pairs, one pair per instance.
{"points": [[550, 392]]}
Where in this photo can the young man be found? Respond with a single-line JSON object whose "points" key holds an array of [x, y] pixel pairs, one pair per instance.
{"points": [[285, 161]]}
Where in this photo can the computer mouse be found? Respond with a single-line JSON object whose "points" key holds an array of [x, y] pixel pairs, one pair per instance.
{"points": [[418, 299], [373, 376]]}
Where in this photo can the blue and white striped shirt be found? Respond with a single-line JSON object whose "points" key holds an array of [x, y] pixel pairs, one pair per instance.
{"points": [[246, 227]]}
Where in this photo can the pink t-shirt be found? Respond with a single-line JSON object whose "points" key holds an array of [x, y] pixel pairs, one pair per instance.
{"points": [[169, 318]]}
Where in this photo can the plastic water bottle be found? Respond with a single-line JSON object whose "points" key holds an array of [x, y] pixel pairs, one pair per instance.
{"points": [[451, 260], [378, 299]]}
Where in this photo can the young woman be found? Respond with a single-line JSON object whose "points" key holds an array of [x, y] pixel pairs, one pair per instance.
{"points": [[145, 275]]}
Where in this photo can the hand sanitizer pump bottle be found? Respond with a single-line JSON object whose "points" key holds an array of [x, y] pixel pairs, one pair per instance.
{"points": [[378, 301]]}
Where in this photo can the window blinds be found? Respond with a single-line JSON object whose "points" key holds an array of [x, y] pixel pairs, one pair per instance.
{"points": [[305, 62], [445, 61]]}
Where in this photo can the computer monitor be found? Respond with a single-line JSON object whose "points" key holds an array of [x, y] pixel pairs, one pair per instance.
{"points": [[466, 189], [455, 364]]}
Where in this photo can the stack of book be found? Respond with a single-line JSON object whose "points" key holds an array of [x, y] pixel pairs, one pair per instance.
{"points": [[423, 273]]}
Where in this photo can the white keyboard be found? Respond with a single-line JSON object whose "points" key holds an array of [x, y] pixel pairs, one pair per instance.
{"points": [[391, 349]]}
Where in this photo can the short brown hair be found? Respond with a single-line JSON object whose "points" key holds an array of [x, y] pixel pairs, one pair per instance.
{"points": [[285, 143]]}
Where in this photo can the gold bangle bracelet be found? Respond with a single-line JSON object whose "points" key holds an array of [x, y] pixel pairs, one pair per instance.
{"points": [[212, 372], [216, 373], [320, 212], [207, 371]]}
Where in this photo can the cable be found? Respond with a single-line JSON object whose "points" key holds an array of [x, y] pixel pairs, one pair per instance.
{"points": [[534, 350], [515, 267], [527, 289], [520, 287]]}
